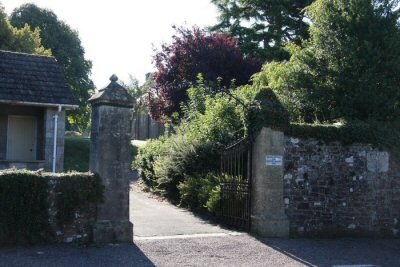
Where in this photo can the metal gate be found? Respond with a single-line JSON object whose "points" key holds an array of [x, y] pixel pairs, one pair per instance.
{"points": [[235, 184]]}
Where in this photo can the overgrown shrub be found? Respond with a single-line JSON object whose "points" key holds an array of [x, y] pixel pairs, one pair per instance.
{"points": [[24, 203], [176, 165], [144, 161], [183, 158], [213, 202], [193, 147], [200, 192]]}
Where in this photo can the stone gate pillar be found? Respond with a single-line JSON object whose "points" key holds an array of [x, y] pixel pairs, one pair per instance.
{"points": [[268, 216], [110, 158]]}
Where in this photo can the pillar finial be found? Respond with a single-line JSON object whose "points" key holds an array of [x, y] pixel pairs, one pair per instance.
{"points": [[114, 78]]}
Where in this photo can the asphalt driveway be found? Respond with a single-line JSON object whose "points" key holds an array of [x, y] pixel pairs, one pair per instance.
{"points": [[153, 218]]}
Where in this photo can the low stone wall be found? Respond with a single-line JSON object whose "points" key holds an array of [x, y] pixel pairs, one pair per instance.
{"points": [[80, 228], [333, 190], [39, 207]]}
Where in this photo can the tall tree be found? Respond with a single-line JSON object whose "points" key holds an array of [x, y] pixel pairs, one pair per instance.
{"points": [[193, 51], [19, 40], [349, 68], [66, 47], [263, 26]]}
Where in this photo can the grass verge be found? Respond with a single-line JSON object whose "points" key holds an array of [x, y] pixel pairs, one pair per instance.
{"points": [[77, 149]]}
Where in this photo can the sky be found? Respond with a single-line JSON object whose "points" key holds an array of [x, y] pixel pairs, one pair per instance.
{"points": [[119, 36]]}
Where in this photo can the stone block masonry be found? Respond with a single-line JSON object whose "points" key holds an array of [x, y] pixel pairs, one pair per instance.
{"points": [[80, 228], [110, 158], [332, 190], [39, 207]]}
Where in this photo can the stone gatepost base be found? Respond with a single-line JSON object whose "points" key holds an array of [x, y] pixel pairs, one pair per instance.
{"points": [[271, 226], [113, 231]]}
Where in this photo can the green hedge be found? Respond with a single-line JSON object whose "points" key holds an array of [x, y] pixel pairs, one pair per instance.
{"points": [[24, 202]]}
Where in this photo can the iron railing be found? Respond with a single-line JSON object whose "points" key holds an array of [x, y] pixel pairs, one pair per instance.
{"points": [[236, 161]]}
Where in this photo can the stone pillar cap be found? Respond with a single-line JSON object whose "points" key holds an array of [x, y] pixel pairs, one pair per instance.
{"points": [[113, 95], [114, 78]]}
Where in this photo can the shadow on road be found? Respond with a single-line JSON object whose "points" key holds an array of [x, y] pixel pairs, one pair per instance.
{"points": [[331, 252], [66, 255]]}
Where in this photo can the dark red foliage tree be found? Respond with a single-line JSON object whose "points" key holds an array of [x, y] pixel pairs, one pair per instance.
{"points": [[191, 52]]}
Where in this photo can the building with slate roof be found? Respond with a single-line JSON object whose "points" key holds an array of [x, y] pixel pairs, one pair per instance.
{"points": [[33, 98]]}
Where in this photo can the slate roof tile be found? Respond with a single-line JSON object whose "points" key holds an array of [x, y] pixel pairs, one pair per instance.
{"points": [[33, 78]]}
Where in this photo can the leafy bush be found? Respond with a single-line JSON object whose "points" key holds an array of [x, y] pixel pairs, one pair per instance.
{"points": [[194, 146], [144, 161], [183, 157], [163, 163], [134, 148], [24, 202], [214, 200], [199, 192], [176, 165]]}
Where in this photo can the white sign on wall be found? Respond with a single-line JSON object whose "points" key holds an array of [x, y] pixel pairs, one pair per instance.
{"points": [[274, 160]]}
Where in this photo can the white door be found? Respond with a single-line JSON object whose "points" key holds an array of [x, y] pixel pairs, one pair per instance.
{"points": [[21, 138]]}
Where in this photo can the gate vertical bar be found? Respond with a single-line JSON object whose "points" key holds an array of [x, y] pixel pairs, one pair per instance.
{"points": [[235, 184]]}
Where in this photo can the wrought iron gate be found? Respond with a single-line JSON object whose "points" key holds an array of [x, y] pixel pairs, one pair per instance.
{"points": [[235, 184]]}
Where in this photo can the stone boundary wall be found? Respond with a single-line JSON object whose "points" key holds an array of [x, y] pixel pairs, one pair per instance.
{"points": [[80, 229], [332, 190]]}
